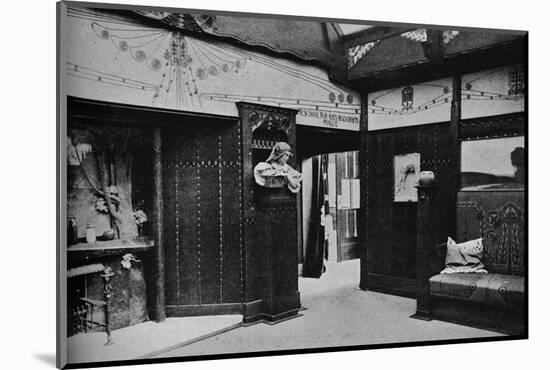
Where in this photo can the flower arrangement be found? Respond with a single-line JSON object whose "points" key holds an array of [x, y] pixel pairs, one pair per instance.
{"points": [[101, 205], [141, 218], [127, 260]]}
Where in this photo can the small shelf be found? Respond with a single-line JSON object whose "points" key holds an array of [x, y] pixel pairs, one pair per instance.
{"points": [[140, 242], [87, 251]]}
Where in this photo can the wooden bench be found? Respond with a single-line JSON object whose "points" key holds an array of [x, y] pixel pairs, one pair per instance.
{"points": [[494, 301]]}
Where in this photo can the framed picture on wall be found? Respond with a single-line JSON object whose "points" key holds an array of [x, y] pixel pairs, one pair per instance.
{"points": [[406, 169]]}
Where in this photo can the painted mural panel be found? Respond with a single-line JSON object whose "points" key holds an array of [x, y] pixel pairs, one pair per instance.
{"points": [[112, 58], [492, 92], [411, 105]]}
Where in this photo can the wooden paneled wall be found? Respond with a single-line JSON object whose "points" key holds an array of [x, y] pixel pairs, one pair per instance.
{"points": [[201, 207], [390, 235]]}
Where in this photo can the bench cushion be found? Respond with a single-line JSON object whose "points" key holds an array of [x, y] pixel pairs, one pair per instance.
{"points": [[492, 289], [464, 257]]}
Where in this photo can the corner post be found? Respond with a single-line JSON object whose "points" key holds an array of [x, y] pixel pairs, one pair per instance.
{"points": [[158, 224], [425, 249], [364, 190]]}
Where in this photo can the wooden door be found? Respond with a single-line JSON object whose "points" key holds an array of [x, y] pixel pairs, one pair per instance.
{"points": [[347, 204], [202, 235]]}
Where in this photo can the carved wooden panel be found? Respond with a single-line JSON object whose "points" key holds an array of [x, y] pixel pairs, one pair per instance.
{"points": [[499, 218], [270, 215], [202, 205]]}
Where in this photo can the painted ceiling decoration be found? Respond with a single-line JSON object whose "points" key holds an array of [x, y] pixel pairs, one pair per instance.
{"points": [[154, 14], [308, 40], [357, 52], [423, 45], [94, 15], [186, 22], [419, 35], [181, 62], [448, 35]]}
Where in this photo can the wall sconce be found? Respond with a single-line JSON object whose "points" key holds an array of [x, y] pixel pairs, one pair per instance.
{"points": [[426, 178], [426, 184]]}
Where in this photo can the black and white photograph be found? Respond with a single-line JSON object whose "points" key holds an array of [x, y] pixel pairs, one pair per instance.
{"points": [[242, 184]]}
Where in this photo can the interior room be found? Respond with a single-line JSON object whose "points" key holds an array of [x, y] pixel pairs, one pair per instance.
{"points": [[273, 184]]}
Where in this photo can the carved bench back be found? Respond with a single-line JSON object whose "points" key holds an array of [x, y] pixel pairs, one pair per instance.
{"points": [[498, 216]]}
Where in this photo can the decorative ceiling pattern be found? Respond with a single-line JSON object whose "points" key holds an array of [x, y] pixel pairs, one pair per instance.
{"points": [[356, 53], [309, 40], [419, 36], [179, 63]]}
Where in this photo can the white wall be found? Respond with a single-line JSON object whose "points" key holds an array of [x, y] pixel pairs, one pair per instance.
{"points": [[431, 103], [486, 93]]}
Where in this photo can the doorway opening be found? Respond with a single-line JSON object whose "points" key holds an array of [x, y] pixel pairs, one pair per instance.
{"points": [[330, 211]]}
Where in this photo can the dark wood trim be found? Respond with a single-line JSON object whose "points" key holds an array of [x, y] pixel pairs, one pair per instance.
{"points": [[97, 112], [374, 34], [425, 244], [264, 107], [270, 219], [85, 252], [500, 55], [390, 285], [503, 125], [455, 156], [312, 140], [502, 319], [283, 316], [252, 311], [204, 309], [456, 115], [409, 128], [158, 226], [362, 223]]}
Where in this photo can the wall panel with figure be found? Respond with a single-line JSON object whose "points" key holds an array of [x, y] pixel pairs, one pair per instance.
{"points": [[391, 225]]}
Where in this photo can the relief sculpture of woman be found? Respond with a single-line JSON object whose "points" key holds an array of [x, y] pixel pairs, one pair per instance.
{"points": [[275, 172]]}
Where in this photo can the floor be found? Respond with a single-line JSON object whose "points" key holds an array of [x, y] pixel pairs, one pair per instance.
{"points": [[338, 314], [147, 339]]}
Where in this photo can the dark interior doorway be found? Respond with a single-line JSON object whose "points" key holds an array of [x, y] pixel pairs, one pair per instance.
{"points": [[334, 205], [329, 161]]}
